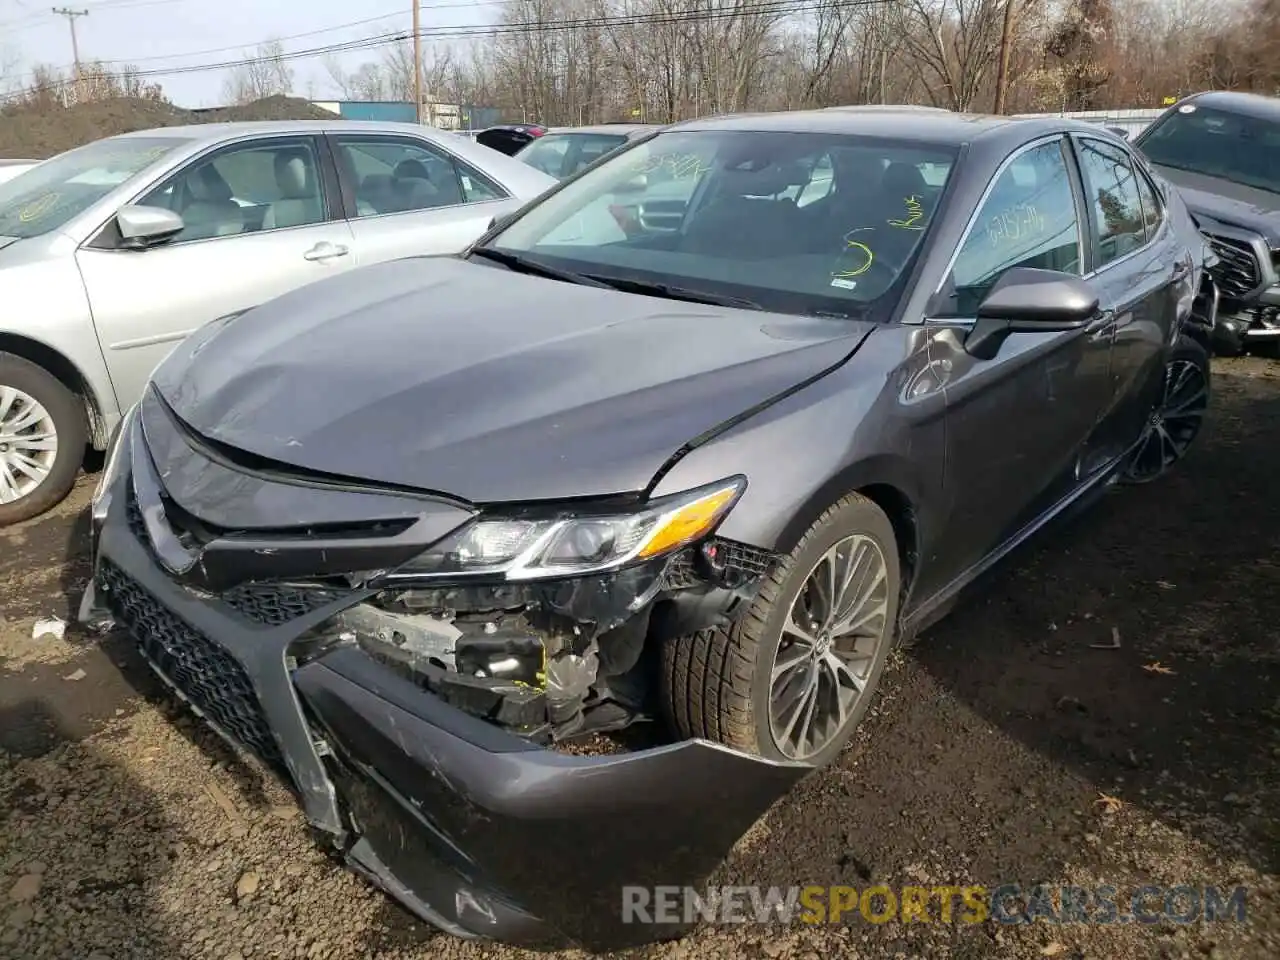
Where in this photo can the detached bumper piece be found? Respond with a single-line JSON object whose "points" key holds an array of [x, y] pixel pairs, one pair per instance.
{"points": [[474, 829]]}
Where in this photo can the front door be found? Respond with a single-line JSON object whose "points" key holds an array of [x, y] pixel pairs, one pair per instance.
{"points": [[1019, 425], [259, 221]]}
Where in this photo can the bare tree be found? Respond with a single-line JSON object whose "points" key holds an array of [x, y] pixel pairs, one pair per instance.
{"points": [[265, 73]]}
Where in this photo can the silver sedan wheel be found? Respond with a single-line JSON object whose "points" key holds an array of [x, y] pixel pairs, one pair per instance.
{"points": [[28, 444], [830, 642]]}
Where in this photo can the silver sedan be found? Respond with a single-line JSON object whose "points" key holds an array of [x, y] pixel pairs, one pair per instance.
{"points": [[112, 253]]}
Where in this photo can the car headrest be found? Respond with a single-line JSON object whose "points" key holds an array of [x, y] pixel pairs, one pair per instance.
{"points": [[903, 180], [205, 185], [292, 176], [411, 170]]}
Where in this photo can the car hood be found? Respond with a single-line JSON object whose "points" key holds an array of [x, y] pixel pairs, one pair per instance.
{"points": [[1228, 202], [470, 380]]}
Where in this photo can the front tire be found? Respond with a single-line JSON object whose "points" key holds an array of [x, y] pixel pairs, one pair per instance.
{"points": [[791, 678], [42, 439], [1176, 421]]}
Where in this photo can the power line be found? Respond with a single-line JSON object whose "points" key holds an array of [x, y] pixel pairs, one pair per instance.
{"points": [[758, 7]]}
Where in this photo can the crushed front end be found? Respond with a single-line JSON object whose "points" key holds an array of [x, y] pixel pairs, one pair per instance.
{"points": [[417, 712]]}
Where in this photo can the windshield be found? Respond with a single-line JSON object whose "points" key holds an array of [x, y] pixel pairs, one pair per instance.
{"points": [[1217, 144], [808, 223], [563, 154], [47, 196]]}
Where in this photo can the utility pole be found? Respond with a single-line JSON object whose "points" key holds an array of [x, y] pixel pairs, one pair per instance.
{"points": [[75, 45], [1006, 37], [417, 63]]}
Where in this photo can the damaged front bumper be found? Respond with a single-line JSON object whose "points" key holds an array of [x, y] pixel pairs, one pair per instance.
{"points": [[474, 829]]}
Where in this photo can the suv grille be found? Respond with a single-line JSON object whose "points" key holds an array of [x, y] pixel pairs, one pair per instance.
{"points": [[1239, 273], [209, 677]]}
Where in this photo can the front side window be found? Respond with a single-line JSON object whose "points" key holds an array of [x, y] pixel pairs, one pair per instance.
{"points": [[1216, 143], [1028, 219], [798, 222], [48, 196], [400, 176], [1112, 189], [248, 188]]}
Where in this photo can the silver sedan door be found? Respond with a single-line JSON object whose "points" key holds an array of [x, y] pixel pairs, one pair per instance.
{"points": [[261, 219]]}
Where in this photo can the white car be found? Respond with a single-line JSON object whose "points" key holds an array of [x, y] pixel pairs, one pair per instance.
{"points": [[11, 168], [112, 253]]}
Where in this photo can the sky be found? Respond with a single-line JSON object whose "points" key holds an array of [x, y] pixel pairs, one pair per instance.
{"points": [[163, 34]]}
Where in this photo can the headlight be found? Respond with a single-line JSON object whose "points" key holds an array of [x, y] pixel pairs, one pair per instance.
{"points": [[111, 467], [571, 543]]}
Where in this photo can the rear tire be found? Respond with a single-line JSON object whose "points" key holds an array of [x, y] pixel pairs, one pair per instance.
{"points": [[36, 412], [1177, 418], [719, 684]]}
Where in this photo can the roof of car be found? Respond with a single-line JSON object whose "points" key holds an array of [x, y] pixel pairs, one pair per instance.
{"points": [[921, 124], [1250, 104], [222, 131]]}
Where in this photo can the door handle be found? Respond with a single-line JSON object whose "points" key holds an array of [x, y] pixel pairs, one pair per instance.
{"points": [[324, 250]]}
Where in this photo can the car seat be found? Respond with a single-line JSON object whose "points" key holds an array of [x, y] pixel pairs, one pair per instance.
{"points": [[208, 209], [299, 202]]}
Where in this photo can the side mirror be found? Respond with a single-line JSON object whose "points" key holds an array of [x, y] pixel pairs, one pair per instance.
{"points": [[1027, 300], [142, 227]]}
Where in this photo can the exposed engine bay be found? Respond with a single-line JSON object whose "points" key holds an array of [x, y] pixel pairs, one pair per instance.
{"points": [[548, 661]]}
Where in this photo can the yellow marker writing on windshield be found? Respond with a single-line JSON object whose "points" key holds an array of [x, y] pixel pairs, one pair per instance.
{"points": [[860, 250], [37, 208], [915, 213]]}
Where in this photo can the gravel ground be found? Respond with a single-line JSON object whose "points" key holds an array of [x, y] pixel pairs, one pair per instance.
{"points": [[127, 831]]}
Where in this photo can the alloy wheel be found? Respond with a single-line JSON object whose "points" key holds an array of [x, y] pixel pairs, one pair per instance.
{"points": [[1174, 424], [28, 444], [830, 641]]}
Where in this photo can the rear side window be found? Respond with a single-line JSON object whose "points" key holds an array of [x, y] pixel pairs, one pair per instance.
{"points": [[1027, 220], [1112, 189], [400, 176]]}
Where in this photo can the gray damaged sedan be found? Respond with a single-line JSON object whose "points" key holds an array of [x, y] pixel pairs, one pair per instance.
{"points": [[111, 253], [406, 534]]}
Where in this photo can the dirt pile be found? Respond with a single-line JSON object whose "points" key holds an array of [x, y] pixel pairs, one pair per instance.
{"points": [[40, 130]]}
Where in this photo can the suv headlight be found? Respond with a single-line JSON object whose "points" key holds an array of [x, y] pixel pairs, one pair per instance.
{"points": [[578, 541]]}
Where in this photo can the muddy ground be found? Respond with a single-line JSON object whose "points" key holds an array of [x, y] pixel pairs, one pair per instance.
{"points": [[127, 831]]}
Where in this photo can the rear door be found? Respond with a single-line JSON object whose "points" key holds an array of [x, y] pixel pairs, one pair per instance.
{"points": [[1019, 425], [262, 218], [406, 196], [1138, 267]]}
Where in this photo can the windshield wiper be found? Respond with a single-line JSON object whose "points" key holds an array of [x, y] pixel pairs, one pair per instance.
{"points": [[677, 293], [521, 264]]}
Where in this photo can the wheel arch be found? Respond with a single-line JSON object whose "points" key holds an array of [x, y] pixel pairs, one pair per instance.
{"points": [[67, 373], [885, 482]]}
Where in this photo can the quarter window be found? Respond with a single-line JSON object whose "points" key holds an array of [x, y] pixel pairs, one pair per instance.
{"points": [[1152, 212], [399, 176], [245, 189], [1029, 219], [1112, 188]]}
